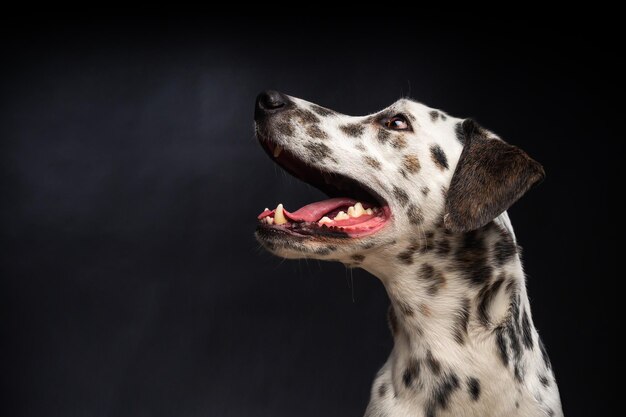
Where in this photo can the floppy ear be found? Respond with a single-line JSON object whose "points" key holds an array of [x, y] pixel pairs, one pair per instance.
{"points": [[491, 175]]}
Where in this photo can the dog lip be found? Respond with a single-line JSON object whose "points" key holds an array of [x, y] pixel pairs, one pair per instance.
{"points": [[302, 233]]}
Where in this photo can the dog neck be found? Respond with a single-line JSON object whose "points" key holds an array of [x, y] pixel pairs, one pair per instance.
{"points": [[443, 284], [459, 315]]}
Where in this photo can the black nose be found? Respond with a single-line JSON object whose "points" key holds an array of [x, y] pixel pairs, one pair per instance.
{"points": [[269, 102]]}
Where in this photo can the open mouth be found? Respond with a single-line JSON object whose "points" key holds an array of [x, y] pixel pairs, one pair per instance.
{"points": [[353, 210]]}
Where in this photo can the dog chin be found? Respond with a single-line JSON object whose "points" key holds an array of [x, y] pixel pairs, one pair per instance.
{"points": [[289, 246]]}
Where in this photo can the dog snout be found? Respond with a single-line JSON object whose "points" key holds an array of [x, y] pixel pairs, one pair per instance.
{"points": [[269, 102]]}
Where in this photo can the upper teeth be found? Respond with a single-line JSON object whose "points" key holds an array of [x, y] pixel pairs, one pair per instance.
{"points": [[356, 210], [277, 150], [279, 216]]}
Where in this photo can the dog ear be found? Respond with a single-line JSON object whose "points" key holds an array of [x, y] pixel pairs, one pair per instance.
{"points": [[490, 176]]}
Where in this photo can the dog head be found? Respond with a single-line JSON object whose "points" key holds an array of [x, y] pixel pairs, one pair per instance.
{"points": [[395, 175]]}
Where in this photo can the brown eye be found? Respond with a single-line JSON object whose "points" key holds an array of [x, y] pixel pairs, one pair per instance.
{"points": [[397, 122]]}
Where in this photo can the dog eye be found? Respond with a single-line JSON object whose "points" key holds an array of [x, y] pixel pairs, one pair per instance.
{"points": [[397, 122]]}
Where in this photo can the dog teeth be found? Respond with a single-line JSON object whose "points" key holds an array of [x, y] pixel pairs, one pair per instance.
{"points": [[324, 219], [279, 216], [356, 210], [341, 216], [277, 150]]}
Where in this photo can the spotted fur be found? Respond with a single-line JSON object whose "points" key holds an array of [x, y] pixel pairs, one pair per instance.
{"points": [[464, 340]]}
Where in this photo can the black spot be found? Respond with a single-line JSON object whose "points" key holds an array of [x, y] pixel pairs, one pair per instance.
{"points": [[398, 142], [405, 309], [550, 412], [411, 373], [415, 214], [353, 129], [425, 191], [407, 378], [519, 372], [471, 257], [513, 333], [516, 404], [442, 246], [393, 320], [305, 116], [315, 132], [322, 111], [411, 163], [325, 250], [284, 129], [318, 151], [372, 162], [460, 133], [403, 173], [511, 286], [400, 195], [358, 257], [502, 345], [544, 354], [441, 394], [383, 136], [485, 298], [544, 381], [435, 278], [443, 117], [439, 157], [462, 321], [406, 257], [504, 250], [527, 335], [382, 389], [434, 115], [433, 364], [473, 387], [360, 147]]}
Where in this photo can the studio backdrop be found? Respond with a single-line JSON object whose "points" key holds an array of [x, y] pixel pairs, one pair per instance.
{"points": [[131, 281]]}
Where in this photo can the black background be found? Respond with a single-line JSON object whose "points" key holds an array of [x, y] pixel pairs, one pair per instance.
{"points": [[131, 281]]}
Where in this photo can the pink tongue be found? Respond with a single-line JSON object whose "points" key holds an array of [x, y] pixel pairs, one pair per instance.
{"points": [[314, 211]]}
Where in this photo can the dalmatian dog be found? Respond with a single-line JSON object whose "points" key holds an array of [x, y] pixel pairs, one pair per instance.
{"points": [[418, 198]]}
